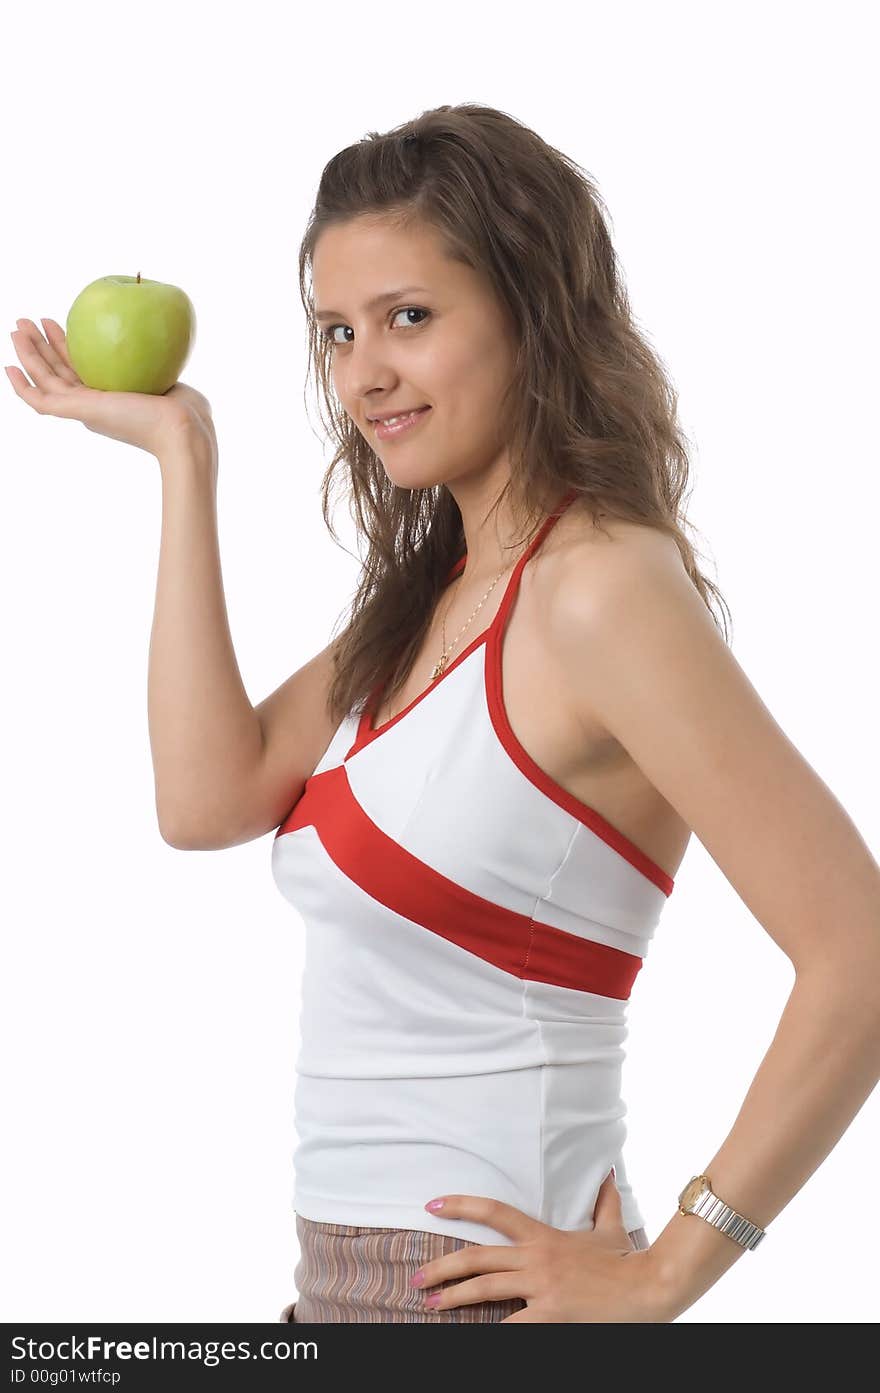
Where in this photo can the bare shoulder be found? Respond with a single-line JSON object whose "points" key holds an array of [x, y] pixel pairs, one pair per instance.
{"points": [[606, 583], [592, 566], [612, 542], [642, 654], [591, 572]]}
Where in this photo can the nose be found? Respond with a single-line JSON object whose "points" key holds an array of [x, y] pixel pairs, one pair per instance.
{"points": [[368, 373]]}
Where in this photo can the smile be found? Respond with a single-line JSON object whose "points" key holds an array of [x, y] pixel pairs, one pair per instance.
{"points": [[387, 430]]}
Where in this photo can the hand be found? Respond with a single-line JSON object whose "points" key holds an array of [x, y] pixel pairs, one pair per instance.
{"points": [[587, 1275], [152, 423]]}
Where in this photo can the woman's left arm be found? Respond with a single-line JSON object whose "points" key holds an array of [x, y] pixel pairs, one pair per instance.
{"points": [[647, 660]]}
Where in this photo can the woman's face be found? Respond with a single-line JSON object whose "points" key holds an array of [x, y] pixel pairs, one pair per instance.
{"points": [[448, 345]]}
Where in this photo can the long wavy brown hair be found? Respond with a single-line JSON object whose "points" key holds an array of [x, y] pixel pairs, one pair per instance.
{"points": [[589, 407]]}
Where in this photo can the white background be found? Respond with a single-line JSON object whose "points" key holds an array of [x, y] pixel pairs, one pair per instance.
{"points": [[150, 996]]}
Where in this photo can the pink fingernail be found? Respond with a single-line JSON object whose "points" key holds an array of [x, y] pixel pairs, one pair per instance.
{"points": [[434, 1204]]}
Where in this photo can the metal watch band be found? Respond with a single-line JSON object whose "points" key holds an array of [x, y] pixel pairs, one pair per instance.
{"points": [[722, 1216]]}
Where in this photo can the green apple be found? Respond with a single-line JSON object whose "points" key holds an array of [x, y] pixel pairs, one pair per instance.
{"points": [[125, 334]]}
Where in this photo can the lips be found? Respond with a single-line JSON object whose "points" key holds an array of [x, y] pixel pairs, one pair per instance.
{"points": [[405, 422], [381, 420]]}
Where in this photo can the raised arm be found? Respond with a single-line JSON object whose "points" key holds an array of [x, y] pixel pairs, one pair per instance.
{"points": [[225, 771]]}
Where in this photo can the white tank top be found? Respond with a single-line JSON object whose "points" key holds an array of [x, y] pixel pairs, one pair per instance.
{"points": [[473, 932]]}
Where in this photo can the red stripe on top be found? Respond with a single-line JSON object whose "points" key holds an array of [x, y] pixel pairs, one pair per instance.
{"points": [[493, 636], [366, 731], [536, 775], [392, 876]]}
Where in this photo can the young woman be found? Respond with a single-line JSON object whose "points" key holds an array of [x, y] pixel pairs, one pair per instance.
{"points": [[482, 789]]}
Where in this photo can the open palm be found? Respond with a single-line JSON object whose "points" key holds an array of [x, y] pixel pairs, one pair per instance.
{"points": [[53, 388]]}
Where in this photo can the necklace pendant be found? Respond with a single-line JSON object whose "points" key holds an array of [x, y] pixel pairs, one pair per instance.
{"points": [[439, 668]]}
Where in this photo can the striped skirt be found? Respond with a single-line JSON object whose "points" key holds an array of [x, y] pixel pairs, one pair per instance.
{"points": [[350, 1273]]}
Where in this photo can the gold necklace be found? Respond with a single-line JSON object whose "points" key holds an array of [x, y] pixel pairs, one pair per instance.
{"points": [[443, 660]]}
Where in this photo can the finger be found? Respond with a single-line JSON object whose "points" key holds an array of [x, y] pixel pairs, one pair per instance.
{"points": [[58, 345], [60, 400], [52, 348], [27, 341], [22, 386], [41, 401], [505, 1218], [464, 1262], [499, 1286]]}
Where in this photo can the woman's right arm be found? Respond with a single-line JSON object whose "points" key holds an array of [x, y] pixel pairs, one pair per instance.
{"points": [[225, 771]]}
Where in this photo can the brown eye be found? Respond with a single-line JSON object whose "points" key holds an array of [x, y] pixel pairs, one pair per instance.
{"points": [[328, 333], [410, 309]]}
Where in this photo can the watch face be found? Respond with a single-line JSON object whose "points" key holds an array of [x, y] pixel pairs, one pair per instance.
{"points": [[692, 1191]]}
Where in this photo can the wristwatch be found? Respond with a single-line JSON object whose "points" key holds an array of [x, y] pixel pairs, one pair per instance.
{"points": [[697, 1198]]}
